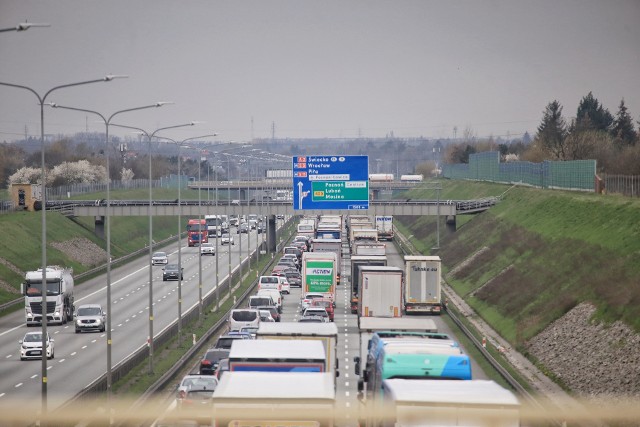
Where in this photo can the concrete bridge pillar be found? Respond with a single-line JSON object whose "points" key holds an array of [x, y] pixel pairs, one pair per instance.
{"points": [[451, 223], [99, 226], [271, 234]]}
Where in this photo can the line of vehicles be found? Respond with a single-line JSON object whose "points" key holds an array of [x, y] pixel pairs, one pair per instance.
{"points": [[408, 373]]}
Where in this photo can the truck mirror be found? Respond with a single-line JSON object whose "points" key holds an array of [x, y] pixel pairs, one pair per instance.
{"points": [[337, 374]]}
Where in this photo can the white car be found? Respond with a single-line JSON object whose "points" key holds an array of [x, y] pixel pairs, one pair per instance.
{"points": [[227, 239], [316, 311], [193, 385], [31, 346], [307, 298], [207, 249], [285, 287], [159, 258]]}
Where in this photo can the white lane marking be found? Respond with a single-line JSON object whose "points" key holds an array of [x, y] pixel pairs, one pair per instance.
{"points": [[73, 354], [93, 341], [119, 324], [346, 383], [346, 375], [61, 360], [8, 356], [1, 394], [49, 367], [348, 405], [140, 312], [136, 314], [33, 376], [346, 359], [346, 393], [84, 346], [18, 385], [56, 332]]}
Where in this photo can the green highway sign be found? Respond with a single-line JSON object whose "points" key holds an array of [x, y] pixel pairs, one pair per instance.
{"points": [[339, 191]]}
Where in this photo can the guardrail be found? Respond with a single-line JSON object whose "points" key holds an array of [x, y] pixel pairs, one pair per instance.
{"points": [[140, 355], [406, 248], [89, 273]]}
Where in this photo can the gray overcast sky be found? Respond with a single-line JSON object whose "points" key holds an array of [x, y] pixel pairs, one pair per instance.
{"points": [[318, 68]]}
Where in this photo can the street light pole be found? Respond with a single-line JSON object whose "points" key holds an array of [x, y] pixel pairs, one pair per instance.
{"points": [[107, 220], [179, 144], [43, 190], [149, 138]]}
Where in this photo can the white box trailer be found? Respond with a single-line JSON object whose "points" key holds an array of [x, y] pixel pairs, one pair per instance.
{"points": [[330, 245], [319, 273], [435, 403], [384, 224], [272, 398], [357, 262], [369, 247], [327, 333], [422, 285], [380, 293]]}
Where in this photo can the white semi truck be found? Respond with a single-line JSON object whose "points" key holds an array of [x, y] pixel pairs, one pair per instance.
{"points": [[380, 293], [422, 285], [59, 291], [384, 225]]}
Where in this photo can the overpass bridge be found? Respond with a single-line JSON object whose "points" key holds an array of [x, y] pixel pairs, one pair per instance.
{"points": [[195, 208], [243, 188]]}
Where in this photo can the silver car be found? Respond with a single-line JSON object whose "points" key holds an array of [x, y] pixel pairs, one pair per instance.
{"points": [[159, 258], [227, 239], [90, 317]]}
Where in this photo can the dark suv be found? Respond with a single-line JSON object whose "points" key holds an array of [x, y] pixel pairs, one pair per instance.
{"points": [[211, 358], [171, 271]]}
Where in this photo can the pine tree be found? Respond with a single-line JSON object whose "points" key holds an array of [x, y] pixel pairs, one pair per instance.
{"points": [[622, 129], [591, 115], [552, 132]]}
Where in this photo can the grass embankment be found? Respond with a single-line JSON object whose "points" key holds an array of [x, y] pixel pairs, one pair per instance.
{"points": [[20, 246], [539, 254]]}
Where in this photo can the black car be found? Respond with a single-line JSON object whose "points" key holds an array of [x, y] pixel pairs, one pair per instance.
{"points": [[170, 272], [211, 359], [294, 279], [242, 228], [261, 228]]}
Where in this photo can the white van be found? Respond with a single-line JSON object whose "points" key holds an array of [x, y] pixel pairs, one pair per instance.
{"points": [[275, 296], [269, 282], [244, 317]]}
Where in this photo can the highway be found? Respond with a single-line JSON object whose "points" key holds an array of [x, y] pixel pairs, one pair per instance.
{"points": [[81, 358], [349, 340]]}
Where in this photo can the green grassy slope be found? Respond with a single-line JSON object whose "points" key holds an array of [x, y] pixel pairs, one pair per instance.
{"points": [[545, 251], [21, 241]]}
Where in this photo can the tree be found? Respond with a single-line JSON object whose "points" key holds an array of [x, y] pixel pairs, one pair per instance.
{"points": [[591, 115], [622, 129], [552, 131]]}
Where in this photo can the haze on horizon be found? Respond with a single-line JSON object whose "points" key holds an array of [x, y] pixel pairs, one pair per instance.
{"points": [[304, 69]]}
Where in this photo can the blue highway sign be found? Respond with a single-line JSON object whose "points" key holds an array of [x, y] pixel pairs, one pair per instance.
{"points": [[331, 182]]}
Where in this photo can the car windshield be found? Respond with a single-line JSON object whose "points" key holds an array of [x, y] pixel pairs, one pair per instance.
{"points": [[171, 267], [89, 311], [206, 245], [200, 383], [159, 255], [33, 338]]}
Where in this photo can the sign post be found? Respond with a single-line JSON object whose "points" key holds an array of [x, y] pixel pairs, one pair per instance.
{"points": [[331, 182]]}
